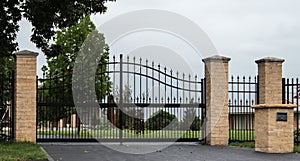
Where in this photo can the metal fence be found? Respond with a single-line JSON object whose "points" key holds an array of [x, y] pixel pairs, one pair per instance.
{"points": [[243, 92], [136, 101], [291, 95], [6, 106], [57, 118]]}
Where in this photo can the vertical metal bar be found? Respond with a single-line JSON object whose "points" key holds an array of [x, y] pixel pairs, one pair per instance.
{"points": [[37, 107], [153, 83], [239, 106], [107, 123], [147, 91], [189, 100], [60, 129], [293, 91], [12, 105], [134, 89], [128, 77], [2, 102], [283, 90], [183, 89], [243, 110], [257, 89], [114, 116], [114, 75], [165, 84], [140, 80], [177, 90], [159, 83], [170, 101], [165, 90], [297, 116], [201, 107], [196, 79], [234, 108], [248, 111], [159, 100], [45, 98], [231, 109], [121, 100], [288, 92], [204, 100], [171, 88], [148, 100]]}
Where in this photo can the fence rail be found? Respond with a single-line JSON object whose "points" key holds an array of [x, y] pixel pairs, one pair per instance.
{"points": [[243, 92]]}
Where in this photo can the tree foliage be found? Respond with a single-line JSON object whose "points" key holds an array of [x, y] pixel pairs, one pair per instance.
{"points": [[190, 121], [160, 120], [61, 64], [57, 85], [131, 118], [197, 124], [46, 17], [10, 15]]}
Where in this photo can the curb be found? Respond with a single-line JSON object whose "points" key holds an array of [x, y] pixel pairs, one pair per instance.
{"points": [[49, 157]]}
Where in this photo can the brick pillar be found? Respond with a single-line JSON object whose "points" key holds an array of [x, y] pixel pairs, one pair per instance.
{"points": [[25, 96], [217, 123], [273, 121], [270, 80]]}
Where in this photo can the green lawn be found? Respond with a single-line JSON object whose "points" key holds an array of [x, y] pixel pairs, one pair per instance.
{"points": [[297, 149], [241, 135], [114, 133], [63, 133], [126, 133], [20, 151], [244, 144]]}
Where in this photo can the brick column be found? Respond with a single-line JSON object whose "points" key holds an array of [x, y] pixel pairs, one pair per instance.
{"points": [[274, 130], [25, 96], [217, 123], [270, 80], [273, 121]]}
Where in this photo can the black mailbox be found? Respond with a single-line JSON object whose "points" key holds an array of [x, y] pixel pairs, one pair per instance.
{"points": [[281, 116]]}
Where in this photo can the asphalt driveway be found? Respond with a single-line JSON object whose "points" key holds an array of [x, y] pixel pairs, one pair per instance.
{"points": [[176, 152]]}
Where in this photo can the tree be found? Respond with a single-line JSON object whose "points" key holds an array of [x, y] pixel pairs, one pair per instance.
{"points": [[196, 125], [10, 15], [190, 121], [68, 44], [131, 118], [58, 74], [160, 120], [46, 17]]}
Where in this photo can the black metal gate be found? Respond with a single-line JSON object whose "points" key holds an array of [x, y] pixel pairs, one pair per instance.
{"points": [[243, 93], [138, 101], [291, 95], [6, 106]]}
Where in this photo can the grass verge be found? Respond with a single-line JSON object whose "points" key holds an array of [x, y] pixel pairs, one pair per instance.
{"points": [[20, 151], [252, 145], [243, 144], [297, 149]]}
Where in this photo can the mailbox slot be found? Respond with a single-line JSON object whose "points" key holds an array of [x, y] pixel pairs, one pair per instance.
{"points": [[281, 116]]}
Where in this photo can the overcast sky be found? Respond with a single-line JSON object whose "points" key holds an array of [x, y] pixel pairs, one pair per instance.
{"points": [[244, 30]]}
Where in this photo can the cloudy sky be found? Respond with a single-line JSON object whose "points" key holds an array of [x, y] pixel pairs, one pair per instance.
{"points": [[242, 30]]}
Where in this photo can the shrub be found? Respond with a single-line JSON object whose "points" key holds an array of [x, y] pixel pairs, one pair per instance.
{"points": [[297, 135], [159, 120]]}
